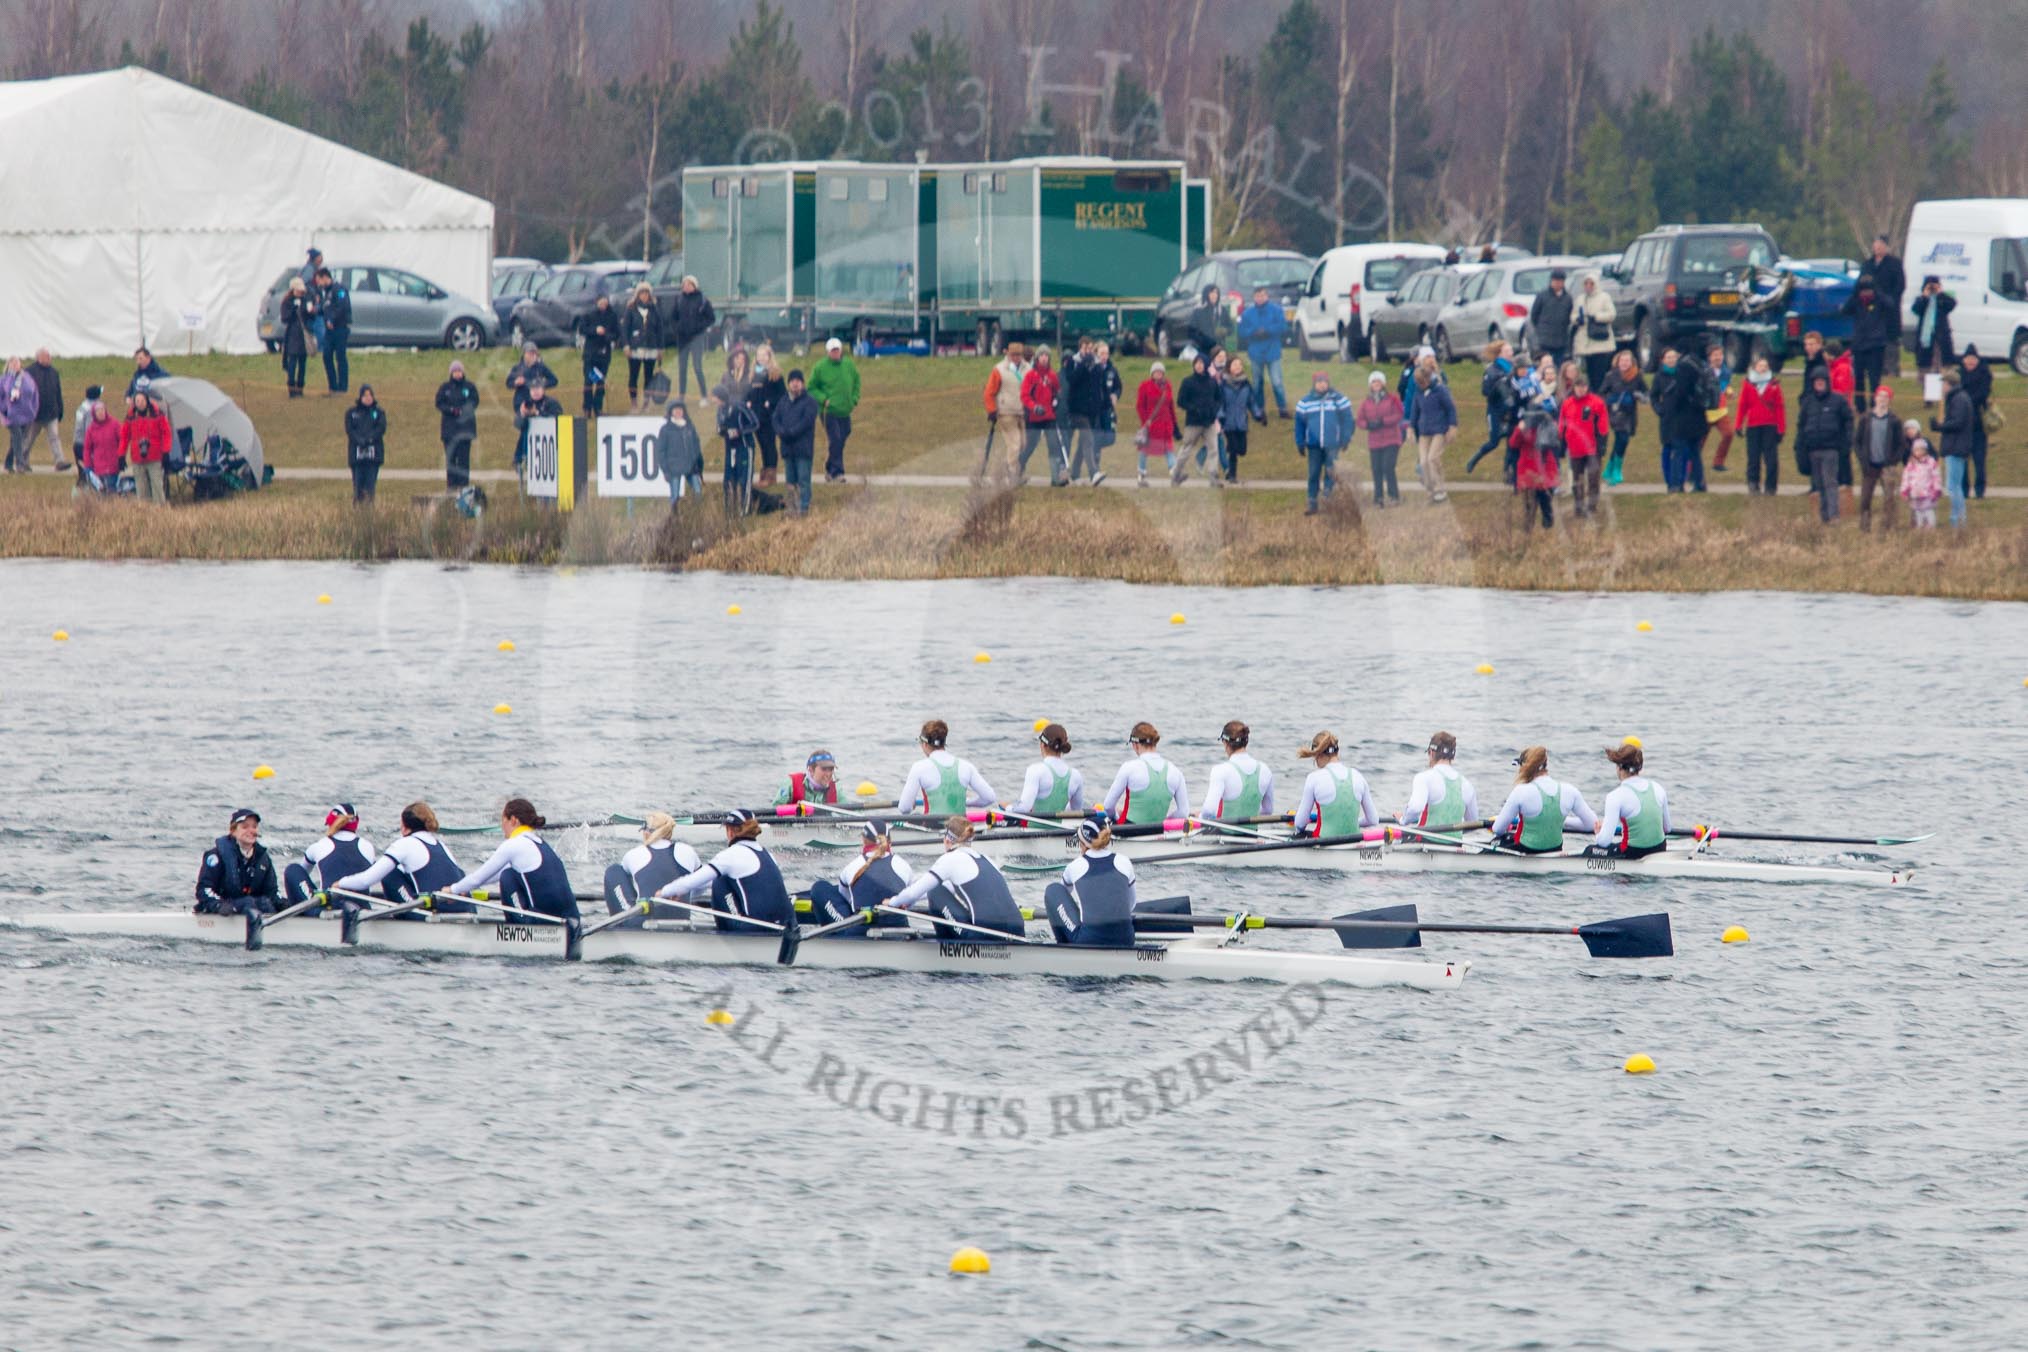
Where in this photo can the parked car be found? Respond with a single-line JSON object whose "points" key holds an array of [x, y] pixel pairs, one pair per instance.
{"points": [[549, 317], [1493, 305], [1678, 283], [512, 285], [393, 308], [512, 264], [1408, 317], [1235, 272], [1348, 287], [1978, 248]]}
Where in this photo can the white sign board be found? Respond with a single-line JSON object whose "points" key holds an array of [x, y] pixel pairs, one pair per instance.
{"points": [[190, 321], [629, 465], [541, 472]]}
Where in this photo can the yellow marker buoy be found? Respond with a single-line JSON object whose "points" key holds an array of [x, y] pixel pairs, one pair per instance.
{"points": [[969, 1260], [264, 772], [1632, 741], [1644, 628], [1640, 1063], [1040, 724], [718, 1017], [1734, 934], [503, 708], [60, 636], [982, 657], [1176, 618], [732, 610], [506, 645], [866, 788], [324, 598], [1484, 668]]}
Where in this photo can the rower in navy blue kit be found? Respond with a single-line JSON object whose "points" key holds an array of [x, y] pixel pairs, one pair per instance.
{"points": [[877, 876], [962, 884], [1094, 903], [413, 863], [341, 853], [531, 876], [658, 860], [743, 881]]}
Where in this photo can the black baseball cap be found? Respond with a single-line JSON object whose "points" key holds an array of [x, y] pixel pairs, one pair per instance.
{"points": [[244, 814]]}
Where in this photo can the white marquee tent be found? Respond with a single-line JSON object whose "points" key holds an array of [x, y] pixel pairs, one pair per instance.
{"points": [[142, 211]]}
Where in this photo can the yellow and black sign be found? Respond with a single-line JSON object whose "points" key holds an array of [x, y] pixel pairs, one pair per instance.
{"points": [[1112, 215]]}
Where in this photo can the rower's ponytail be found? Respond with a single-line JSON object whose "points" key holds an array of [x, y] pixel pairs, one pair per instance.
{"points": [[658, 826], [1144, 734], [523, 811], [749, 829], [1444, 746], [1533, 761], [935, 733], [417, 816], [1054, 739], [1627, 758], [1235, 735]]}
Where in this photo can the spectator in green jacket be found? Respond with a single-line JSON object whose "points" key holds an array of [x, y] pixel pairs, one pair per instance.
{"points": [[834, 384]]}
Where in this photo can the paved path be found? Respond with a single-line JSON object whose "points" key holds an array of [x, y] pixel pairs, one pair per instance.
{"points": [[1734, 487]]}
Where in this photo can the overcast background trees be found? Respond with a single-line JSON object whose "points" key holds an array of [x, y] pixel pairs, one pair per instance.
{"points": [[1557, 124]]}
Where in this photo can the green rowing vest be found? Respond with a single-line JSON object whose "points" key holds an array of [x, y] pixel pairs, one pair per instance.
{"points": [[1245, 803], [1644, 828], [1340, 816], [947, 798], [1057, 798], [1449, 810], [1544, 830], [1151, 805]]}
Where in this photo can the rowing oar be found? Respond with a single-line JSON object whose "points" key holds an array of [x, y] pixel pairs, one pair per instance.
{"points": [[256, 923], [1704, 834], [1639, 936], [348, 932]]}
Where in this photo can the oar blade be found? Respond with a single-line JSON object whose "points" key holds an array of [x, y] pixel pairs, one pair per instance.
{"points": [[1383, 938], [1637, 936], [792, 939]]}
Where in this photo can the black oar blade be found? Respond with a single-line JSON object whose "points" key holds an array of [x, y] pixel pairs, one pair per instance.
{"points": [[1145, 913], [1382, 938], [792, 939], [1637, 936]]}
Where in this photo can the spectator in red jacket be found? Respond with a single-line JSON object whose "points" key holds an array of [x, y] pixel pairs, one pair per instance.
{"points": [[1764, 416], [99, 452], [1535, 467], [144, 441], [1039, 389], [1585, 427], [1155, 406]]}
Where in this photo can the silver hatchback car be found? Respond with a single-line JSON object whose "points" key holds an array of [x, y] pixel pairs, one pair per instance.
{"points": [[1493, 305], [393, 308]]}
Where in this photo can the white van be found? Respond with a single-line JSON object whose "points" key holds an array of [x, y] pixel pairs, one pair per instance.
{"points": [[1978, 248], [1350, 282]]}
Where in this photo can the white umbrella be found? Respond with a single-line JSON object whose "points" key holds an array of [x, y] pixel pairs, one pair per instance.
{"points": [[204, 408]]}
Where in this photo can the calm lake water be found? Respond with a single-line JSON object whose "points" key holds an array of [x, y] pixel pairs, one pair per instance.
{"points": [[224, 1149]]}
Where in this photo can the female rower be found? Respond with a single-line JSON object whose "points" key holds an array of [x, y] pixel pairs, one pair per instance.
{"points": [[1538, 808], [1148, 789], [531, 876], [962, 884], [1336, 800], [1240, 787], [940, 784], [1441, 798], [342, 852], [743, 880], [237, 876], [1635, 820], [414, 862], [659, 858], [1094, 904], [874, 878], [1052, 785]]}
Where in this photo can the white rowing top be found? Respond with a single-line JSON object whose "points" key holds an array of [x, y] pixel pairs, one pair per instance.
{"points": [[1228, 777], [1429, 787], [517, 852], [955, 866], [927, 773], [410, 852], [1622, 805], [1136, 775], [741, 859], [1042, 777], [636, 859], [1526, 800], [1323, 785]]}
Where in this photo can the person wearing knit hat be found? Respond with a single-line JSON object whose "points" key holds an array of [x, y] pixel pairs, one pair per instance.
{"points": [[1324, 420], [1094, 901]]}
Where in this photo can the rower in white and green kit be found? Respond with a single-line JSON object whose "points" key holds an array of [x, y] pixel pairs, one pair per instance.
{"points": [[1052, 787], [1441, 798], [1241, 787], [1148, 789], [940, 784], [1539, 807], [1336, 801], [1635, 819]]}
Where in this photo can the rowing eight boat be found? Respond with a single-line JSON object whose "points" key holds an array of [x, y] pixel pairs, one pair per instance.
{"points": [[1187, 957]]}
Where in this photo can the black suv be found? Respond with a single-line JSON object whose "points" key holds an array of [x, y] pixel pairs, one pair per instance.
{"points": [[1235, 272], [1679, 282], [548, 318]]}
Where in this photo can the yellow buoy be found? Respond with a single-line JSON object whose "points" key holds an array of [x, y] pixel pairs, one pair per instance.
{"points": [[866, 788], [982, 657], [1040, 724], [264, 772], [718, 1017], [1632, 741], [1176, 618], [60, 636], [506, 645], [324, 598], [1484, 668], [1644, 627], [1640, 1063], [503, 708], [1734, 934], [732, 610], [969, 1260]]}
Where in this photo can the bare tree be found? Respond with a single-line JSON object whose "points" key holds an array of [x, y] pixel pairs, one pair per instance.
{"points": [[1348, 68], [1393, 117]]}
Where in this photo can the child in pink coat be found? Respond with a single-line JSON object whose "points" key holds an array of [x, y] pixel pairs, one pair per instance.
{"points": [[1922, 484]]}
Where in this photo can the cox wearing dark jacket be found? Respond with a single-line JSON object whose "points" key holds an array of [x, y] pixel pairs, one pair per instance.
{"points": [[598, 329], [1679, 409], [457, 425], [1932, 337], [365, 443], [1872, 331], [237, 875], [796, 429], [693, 318], [1823, 438]]}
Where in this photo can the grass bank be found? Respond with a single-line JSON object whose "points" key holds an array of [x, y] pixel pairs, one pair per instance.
{"points": [[1645, 543]]}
